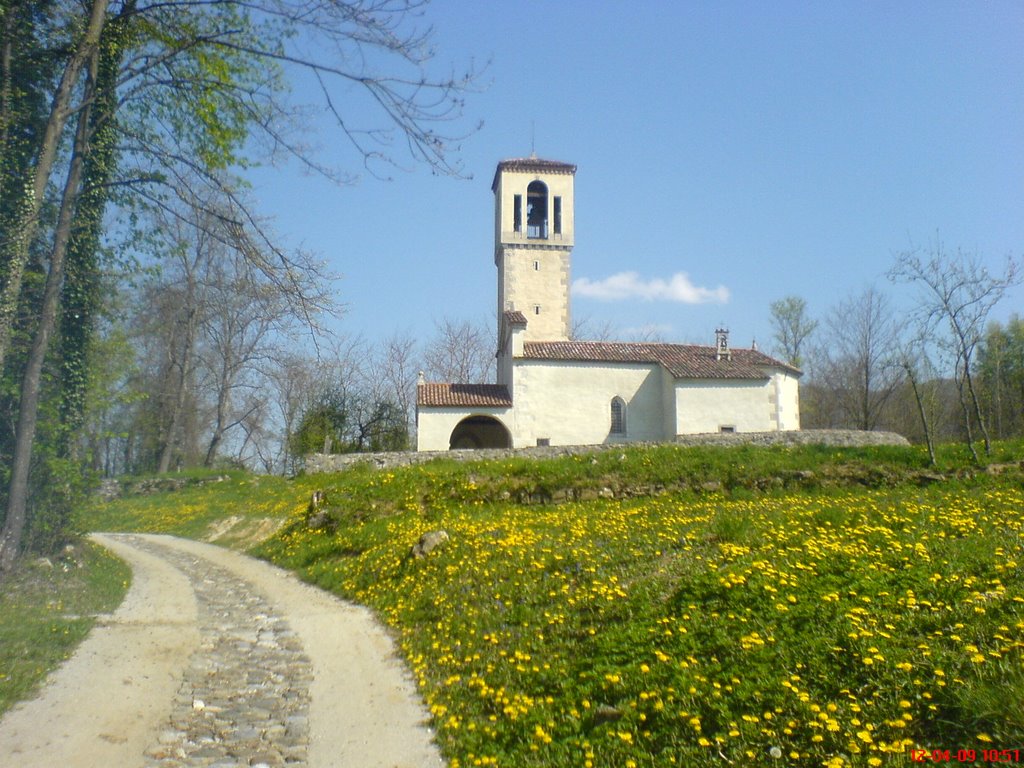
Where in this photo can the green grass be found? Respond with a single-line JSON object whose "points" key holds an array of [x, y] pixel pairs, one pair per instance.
{"points": [[206, 499], [830, 606], [45, 611]]}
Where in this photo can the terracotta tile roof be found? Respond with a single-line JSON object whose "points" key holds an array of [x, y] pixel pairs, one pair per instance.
{"points": [[473, 395], [514, 317], [683, 361], [531, 164]]}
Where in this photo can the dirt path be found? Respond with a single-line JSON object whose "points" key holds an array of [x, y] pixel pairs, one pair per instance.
{"points": [[217, 659]]}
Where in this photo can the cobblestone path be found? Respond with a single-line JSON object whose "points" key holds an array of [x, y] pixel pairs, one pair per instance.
{"points": [[217, 660], [244, 699]]}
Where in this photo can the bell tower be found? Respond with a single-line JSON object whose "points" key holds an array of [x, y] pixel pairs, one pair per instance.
{"points": [[533, 239]]}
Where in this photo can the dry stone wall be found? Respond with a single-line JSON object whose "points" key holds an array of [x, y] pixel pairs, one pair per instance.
{"points": [[318, 463]]}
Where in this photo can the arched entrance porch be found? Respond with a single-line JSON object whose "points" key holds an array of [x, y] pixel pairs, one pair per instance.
{"points": [[480, 432]]}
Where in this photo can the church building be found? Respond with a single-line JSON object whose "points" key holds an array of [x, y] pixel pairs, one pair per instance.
{"points": [[554, 390]]}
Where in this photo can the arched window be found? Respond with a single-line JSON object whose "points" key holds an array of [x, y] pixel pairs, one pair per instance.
{"points": [[537, 210], [618, 409]]}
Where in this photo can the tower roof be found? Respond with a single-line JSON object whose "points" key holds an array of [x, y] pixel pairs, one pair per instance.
{"points": [[535, 164]]}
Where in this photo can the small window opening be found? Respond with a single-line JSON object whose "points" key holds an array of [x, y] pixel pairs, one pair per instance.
{"points": [[536, 309], [517, 213], [537, 210], [536, 266], [727, 429], [618, 411], [543, 441], [557, 213]]}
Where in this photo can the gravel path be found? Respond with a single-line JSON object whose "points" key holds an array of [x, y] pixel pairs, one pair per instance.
{"points": [[216, 659]]}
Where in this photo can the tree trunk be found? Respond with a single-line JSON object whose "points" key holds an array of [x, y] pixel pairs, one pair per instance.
{"points": [[218, 433], [80, 291], [26, 219], [968, 432], [6, 75], [921, 411], [977, 411], [28, 405], [178, 406], [226, 380]]}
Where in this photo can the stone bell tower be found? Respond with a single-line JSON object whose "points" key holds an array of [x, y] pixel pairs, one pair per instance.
{"points": [[533, 239]]}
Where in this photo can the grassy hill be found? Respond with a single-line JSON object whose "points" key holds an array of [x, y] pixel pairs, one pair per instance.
{"points": [[668, 606]]}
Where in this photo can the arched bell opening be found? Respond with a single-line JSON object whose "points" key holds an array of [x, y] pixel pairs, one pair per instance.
{"points": [[537, 210]]}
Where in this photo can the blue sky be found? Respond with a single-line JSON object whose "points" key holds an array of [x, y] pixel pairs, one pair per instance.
{"points": [[729, 154]]}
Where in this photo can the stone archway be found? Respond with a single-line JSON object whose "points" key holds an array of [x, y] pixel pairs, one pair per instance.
{"points": [[480, 432]]}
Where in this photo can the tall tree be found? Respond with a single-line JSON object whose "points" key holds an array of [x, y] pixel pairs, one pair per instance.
{"points": [[196, 82], [459, 351], [792, 328], [82, 164], [956, 294], [917, 366], [26, 202], [394, 371], [859, 358], [1001, 375]]}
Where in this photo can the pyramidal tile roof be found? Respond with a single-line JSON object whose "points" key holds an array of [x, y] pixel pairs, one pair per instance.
{"points": [[474, 395], [683, 361], [536, 164]]}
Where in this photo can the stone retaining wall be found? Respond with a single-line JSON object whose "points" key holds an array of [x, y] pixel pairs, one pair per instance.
{"points": [[318, 462]]}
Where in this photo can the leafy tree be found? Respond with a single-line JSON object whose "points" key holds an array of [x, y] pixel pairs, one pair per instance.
{"points": [[1001, 376], [792, 328], [323, 428], [181, 90]]}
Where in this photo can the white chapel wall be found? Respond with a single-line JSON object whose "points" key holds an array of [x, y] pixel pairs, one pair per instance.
{"points": [[434, 425], [708, 405], [569, 403], [788, 387]]}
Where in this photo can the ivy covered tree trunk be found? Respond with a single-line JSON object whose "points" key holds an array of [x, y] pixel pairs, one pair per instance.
{"points": [[28, 404], [80, 298], [27, 203], [75, 238]]}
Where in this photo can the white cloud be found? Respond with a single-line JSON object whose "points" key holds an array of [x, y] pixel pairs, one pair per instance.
{"points": [[629, 285]]}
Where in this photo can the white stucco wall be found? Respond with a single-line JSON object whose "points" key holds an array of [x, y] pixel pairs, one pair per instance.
{"points": [[709, 405], [788, 387], [434, 426], [569, 403]]}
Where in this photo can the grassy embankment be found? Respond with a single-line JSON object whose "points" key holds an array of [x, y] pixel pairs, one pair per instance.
{"points": [[802, 606], [47, 608]]}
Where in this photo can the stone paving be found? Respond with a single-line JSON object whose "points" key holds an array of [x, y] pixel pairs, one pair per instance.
{"points": [[244, 698]]}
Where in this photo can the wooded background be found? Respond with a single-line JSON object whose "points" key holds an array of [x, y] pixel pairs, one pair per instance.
{"points": [[151, 321]]}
